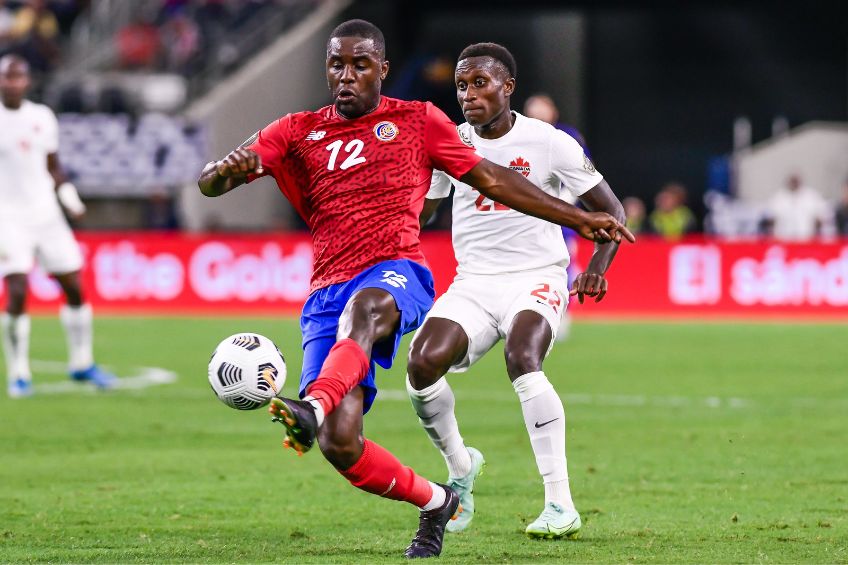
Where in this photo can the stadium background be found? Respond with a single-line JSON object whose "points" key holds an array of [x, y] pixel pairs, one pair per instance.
{"points": [[722, 335]]}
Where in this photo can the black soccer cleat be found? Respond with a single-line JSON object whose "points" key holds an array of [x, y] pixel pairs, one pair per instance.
{"points": [[431, 528], [299, 419]]}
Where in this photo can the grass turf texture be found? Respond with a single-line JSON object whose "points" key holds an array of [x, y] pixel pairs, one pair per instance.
{"points": [[720, 443]]}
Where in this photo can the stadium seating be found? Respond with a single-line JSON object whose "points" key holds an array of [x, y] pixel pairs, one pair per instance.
{"points": [[115, 155]]}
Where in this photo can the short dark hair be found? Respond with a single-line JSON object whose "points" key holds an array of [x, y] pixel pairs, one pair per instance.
{"points": [[497, 52], [10, 59], [363, 29]]}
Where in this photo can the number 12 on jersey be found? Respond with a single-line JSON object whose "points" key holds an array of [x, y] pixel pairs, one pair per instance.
{"points": [[353, 149]]}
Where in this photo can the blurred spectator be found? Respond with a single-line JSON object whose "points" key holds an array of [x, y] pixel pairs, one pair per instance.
{"points": [[138, 45], [671, 218], [634, 210], [542, 107], [7, 22], [161, 213], [181, 42], [429, 76], [796, 212], [66, 12], [34, 34], [842, 211], [730, 217]]}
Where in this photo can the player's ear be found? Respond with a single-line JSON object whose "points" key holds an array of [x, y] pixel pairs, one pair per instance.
{"points": [[384, 69], [509, 86]]}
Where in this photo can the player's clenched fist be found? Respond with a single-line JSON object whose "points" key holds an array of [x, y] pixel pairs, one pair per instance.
{"points": [[239, 163], [601, 227]]}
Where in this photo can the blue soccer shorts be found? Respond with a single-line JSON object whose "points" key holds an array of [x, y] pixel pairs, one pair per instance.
{"points": [[410, 284]]}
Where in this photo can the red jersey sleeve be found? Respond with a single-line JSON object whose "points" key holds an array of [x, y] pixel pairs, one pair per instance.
{"points": [[447, 151], [271, 143]]}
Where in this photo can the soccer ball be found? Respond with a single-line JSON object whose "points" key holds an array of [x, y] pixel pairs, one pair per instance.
{"points": [[246, 371]]}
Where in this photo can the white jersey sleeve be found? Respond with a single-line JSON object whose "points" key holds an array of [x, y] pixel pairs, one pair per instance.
{"points": [[571, 165], [51, 135], [440, 185]]}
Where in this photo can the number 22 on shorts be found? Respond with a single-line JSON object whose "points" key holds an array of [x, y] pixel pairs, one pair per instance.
{"points": [[544, 295]]}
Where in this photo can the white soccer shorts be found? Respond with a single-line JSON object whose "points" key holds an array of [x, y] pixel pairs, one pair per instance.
{"points": [[52, 243], [485, 305]]}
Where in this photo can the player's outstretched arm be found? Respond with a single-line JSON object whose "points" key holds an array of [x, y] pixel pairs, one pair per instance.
{"points": [[512, 189], [591, 282], [220, 177]]}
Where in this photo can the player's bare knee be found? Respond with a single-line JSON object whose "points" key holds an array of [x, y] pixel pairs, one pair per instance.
{"points": [[16, 289], [341, 450], [72, 288], [73, 295], [521, 361], [427, 365]]}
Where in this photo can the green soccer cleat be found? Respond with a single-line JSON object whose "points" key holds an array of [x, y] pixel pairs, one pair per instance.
{"points": [[555, 522], [464, 487], [299, 419]]}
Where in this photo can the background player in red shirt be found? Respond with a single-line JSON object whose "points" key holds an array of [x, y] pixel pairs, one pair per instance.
{"points": [[358, 172]]}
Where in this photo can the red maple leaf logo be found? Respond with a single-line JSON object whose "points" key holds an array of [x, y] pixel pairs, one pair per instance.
{"points": [[521, 166]]}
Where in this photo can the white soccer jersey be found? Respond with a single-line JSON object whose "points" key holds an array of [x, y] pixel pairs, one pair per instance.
{"points": [[489, 238], [27, 191]]}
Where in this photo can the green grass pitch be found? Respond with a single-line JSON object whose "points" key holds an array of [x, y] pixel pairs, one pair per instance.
{"points": [[687, 443]]}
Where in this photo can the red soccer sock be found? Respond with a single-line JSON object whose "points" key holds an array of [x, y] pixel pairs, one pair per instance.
{"points": [[346, 365], [379, 472]]}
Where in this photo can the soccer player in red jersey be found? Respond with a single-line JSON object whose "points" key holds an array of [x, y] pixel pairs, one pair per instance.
{"points": [[358, 172]]}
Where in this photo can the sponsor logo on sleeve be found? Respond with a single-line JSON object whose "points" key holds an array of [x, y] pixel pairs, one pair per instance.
{"points": [[464, 137], [588, 165]]}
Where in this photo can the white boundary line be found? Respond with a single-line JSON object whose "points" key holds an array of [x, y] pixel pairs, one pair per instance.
{"points": [[638, 400], [593, 399], [142, 377]]}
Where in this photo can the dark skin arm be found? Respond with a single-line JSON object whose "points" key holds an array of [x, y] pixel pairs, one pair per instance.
{"points": [[591, 282], [220, 177], [512, 189], [430, 206], [55, 169]]}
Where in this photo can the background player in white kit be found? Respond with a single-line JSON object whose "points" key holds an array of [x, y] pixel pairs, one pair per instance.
{"points": [[32, 224], [511, 284]]}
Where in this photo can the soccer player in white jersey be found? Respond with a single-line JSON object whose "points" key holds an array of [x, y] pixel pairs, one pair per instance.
{"points": [[32, 224], [511, 284]]}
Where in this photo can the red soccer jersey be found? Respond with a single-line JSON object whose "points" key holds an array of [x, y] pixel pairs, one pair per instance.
{"points": [[360, 184]]}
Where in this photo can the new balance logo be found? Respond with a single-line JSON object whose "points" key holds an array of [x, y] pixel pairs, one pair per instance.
{"points": [[394, 279], [315, 135]]}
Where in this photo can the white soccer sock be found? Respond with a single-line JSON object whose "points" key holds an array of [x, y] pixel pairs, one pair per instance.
{"points": [[319, 410], [15, 330], [438, 498], [435, 408], [544, 418], [78, 322]]}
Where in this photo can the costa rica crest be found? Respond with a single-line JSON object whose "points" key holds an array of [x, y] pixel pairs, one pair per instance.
{"points": [[521, 166], [386, 131]]}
